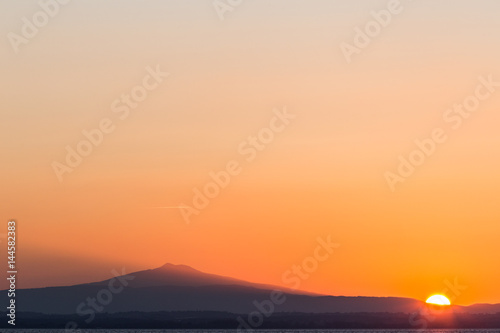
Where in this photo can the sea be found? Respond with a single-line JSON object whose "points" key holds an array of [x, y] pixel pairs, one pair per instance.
{"points": [[256, 331]]}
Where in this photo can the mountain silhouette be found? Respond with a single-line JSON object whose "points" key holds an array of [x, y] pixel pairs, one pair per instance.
{"points": [[182, 275], [182, 288]]}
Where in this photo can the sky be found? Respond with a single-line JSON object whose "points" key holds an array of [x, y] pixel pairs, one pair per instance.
{"points": [[208, 80]]}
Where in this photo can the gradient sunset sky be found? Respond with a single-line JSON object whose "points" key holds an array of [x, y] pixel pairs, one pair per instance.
{"points": [[323, 175]]}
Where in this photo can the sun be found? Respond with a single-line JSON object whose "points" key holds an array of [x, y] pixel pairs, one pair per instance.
{"points": [[438, 300]]}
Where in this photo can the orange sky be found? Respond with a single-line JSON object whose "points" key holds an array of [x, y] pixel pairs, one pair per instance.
{"points": [[322, 175]]}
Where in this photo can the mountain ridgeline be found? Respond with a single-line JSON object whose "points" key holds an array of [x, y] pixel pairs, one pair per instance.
{"points": [[182, 288]]}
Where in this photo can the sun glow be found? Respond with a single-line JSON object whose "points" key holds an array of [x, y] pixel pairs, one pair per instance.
{"points": [[438, 300]]}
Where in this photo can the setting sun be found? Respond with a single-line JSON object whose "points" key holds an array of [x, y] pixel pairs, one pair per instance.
{"points": [[438, 300], [250, 166]]}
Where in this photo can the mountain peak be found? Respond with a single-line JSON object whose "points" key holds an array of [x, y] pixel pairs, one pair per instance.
{"points": [[175, 267], [182, 275], [178, 275]]}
